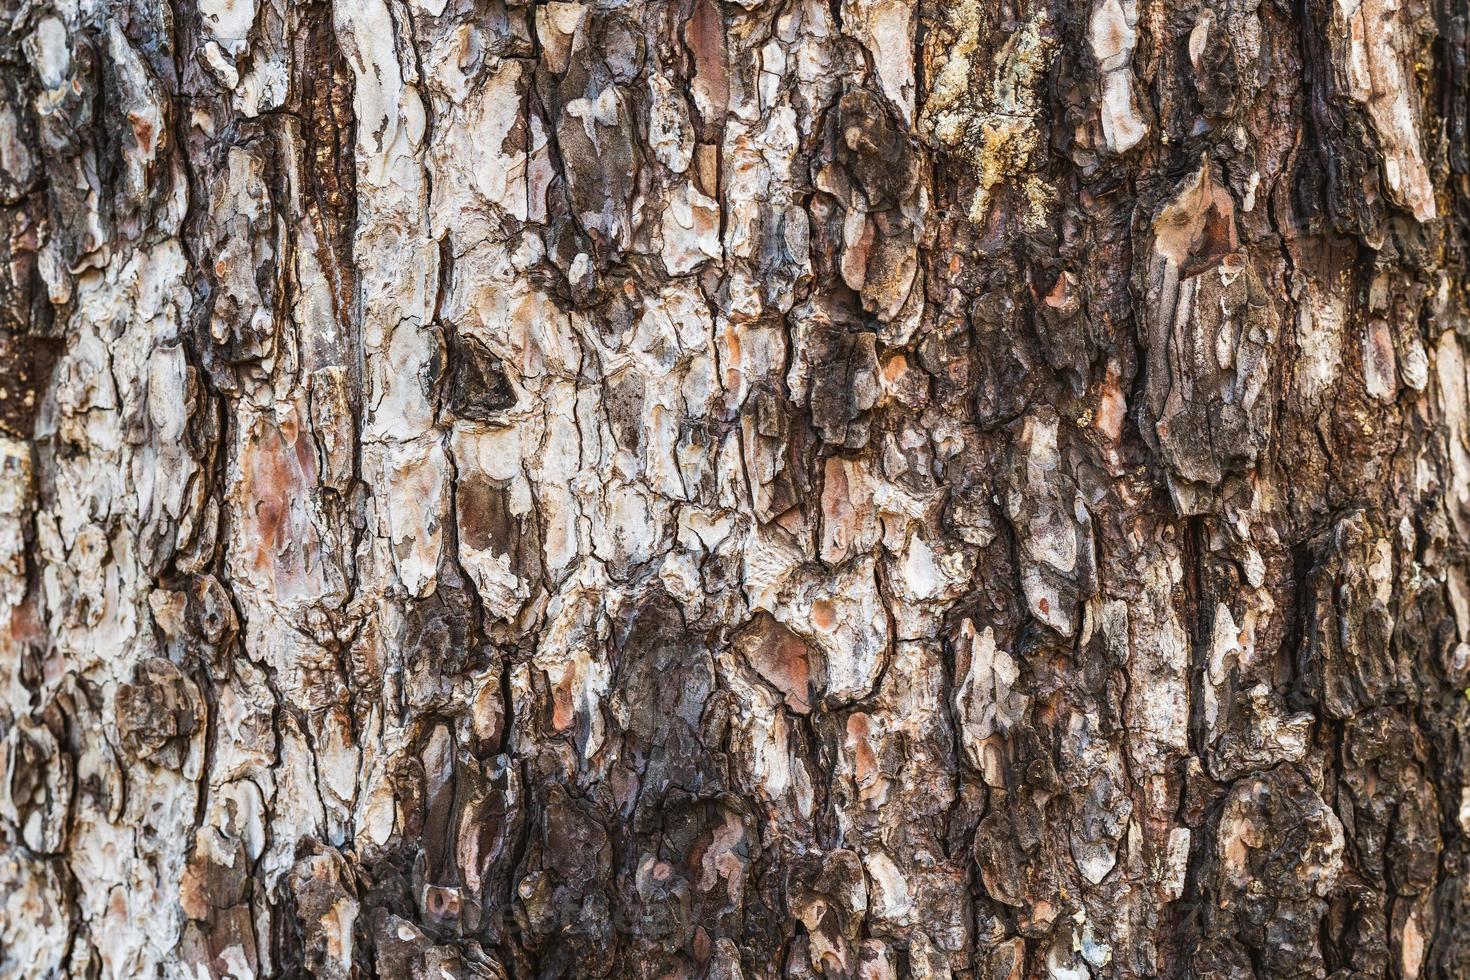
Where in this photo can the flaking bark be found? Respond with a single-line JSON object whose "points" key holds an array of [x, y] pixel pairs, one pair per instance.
{"points": [[688, 488]]}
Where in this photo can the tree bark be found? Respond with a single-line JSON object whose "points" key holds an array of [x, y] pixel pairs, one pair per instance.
{"points": [[687, 488]]}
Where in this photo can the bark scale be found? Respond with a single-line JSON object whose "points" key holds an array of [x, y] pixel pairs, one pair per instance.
{"points": [[682, 488]]}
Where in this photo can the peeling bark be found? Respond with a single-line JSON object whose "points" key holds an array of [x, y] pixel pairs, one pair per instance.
{"points": [[728, 489]]}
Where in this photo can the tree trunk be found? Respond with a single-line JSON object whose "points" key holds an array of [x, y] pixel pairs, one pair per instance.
{"points": [[683, 488]]}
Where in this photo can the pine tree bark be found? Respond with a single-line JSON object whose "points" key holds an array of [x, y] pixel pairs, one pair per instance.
{"points": [[683, 488]]}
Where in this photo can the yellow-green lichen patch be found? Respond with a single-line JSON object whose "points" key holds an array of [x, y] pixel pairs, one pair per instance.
{"points": [[993, 126]]}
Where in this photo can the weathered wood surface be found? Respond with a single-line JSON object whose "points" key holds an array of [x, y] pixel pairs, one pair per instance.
{"points": [[683, 488]]}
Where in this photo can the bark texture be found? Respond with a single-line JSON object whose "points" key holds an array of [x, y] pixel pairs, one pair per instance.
{"points": [[769, 488]]}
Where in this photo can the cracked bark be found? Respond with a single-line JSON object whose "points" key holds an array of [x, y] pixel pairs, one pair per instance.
{"points": [[733, 489]]}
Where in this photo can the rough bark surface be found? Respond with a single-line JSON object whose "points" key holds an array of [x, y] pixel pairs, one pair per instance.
{"points": [[735, 488]]}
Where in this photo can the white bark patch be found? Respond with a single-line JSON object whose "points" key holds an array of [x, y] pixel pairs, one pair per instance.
{"points": [[890, 899], [886, 29], [1113, 33], [16, 488], [983, 698], [1380, 367], [1454, 395], [479, 158], [229, 22], [50, 52], [1320, 325], [691, 230], [1371, 38]]}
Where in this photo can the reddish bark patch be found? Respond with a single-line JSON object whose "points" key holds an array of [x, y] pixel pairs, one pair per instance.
{"points": [[781, 657], [278, 471]]}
